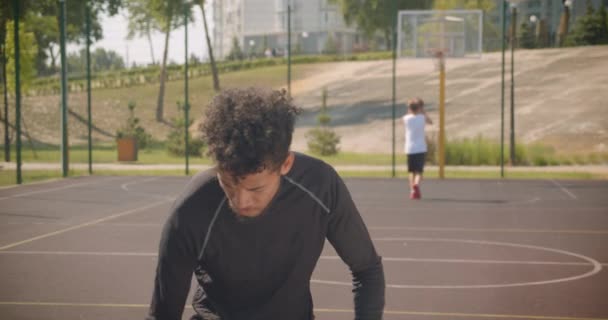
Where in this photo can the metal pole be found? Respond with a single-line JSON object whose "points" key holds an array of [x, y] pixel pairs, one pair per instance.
{"points": [[17, 89], [187, 104], [394, 87], [7, 141], [502, 91], [441, 114], [64, 90], [289, 50], [441, 56], [513, 42], [90, 120]]}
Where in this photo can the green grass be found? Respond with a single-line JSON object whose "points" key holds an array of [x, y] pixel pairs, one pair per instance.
{"points": [[9, 177], [459, 153], [479, 151], [157, 154]]}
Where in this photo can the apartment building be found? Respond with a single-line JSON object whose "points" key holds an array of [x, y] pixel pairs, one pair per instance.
{"points": [[258, 25]]}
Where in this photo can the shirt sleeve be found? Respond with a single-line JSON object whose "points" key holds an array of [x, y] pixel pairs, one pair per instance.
{"points": [[349, 236], [176, 263]]}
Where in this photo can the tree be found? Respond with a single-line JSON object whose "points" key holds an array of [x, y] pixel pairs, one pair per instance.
{"points": [[169, 15], [372, 16], [590, 29], [101, 60], [235, 52], [194, 60], [214, 72], [141, 22], [27, 54], [526, 36], [42, 17], [323, 140], [330, 46]]}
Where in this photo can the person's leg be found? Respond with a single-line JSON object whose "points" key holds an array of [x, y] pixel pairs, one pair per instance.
{"points": [[410, 174], [412, 178], [417, 178], [419, 169]]}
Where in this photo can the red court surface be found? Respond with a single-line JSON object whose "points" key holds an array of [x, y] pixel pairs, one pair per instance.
{"points": [[85, 248]]}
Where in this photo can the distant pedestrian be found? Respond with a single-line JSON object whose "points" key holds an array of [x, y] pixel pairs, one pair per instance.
{"points": [[415, 143]]}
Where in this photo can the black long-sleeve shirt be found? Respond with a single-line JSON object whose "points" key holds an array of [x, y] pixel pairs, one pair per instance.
{"points": [[260, 268]]}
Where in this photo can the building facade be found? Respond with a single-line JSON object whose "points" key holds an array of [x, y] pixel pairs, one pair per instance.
{"points": [[260, 26]]}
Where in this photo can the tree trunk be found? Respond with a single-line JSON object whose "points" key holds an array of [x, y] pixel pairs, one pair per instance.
{"points": [[53, 60], [7, 141], [216, 79], [163, 75], [151, 46]]}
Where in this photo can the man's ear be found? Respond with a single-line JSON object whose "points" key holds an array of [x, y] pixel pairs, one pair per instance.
{"points": [[288, 163]]}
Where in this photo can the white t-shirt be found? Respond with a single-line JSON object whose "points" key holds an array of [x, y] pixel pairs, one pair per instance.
{"points": [[414, 133]]}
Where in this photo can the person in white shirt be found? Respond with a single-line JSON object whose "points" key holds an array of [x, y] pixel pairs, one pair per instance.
{"points": [[415, 143]]}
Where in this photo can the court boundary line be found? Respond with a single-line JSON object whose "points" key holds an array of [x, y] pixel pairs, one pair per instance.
{"points": [[505, 230], [319, 310], [564, 189], [324, 257], [438, 229], [86, 224], [19, 195]]}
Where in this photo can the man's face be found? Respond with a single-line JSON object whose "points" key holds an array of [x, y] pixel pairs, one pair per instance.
{"points": [[248, 196]]}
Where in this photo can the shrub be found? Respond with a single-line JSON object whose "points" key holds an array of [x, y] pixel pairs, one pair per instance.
{"points": [[322, 140], [176, 141], [133, 129]]}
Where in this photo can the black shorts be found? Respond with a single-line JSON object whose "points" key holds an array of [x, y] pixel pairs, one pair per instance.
{"points": [[415, 162]]}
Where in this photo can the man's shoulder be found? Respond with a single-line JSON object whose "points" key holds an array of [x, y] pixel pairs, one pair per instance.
{"points": [[308, 166], [201, 195]]}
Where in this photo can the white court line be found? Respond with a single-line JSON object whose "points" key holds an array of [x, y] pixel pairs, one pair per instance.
{"points": [[477, 261], [393, 259], [446, 229], [81, 253], [318, 310], [125, 186], [597, 267], [505, 230], [55, 189], [86, 224], [566, 191]]}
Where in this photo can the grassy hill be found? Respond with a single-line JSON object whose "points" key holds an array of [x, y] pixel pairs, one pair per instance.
{"points": [[560, 100]]}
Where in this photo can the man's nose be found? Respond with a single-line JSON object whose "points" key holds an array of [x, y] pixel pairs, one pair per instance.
{"points": [[243, 198]]}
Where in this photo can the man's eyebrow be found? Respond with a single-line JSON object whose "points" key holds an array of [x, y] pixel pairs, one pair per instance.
{"points": [[256, 188]]}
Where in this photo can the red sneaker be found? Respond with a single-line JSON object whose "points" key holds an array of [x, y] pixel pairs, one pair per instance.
{"points": [[413, 195], [417, 194]]}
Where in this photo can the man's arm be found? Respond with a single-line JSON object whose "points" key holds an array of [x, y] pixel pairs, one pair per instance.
{"points": [[427, 119], [173, 274], [349, 236]]}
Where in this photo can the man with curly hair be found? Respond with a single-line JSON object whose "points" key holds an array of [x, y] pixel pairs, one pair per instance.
{"points": [[252, 228]]}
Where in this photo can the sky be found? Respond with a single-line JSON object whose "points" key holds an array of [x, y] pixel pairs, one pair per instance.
{"points": [[138, 49]]}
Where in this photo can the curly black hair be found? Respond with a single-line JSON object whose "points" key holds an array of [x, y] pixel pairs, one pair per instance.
{"points": [[249, 129]]}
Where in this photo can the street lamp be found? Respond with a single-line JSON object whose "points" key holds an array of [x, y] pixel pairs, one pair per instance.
{"points": [[563, 23], [535, 25]]}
